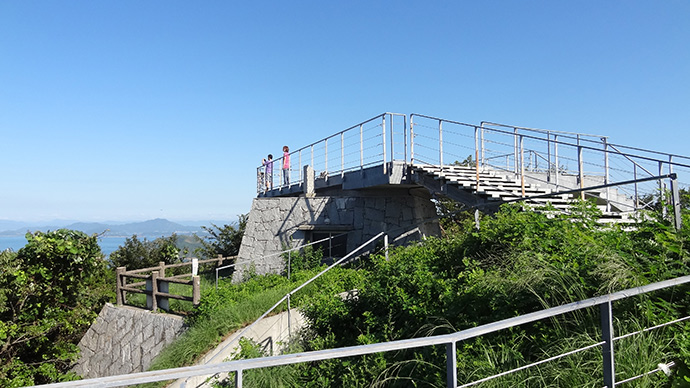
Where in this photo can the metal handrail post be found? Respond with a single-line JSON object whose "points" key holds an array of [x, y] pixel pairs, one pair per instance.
{"points": [[637, 202], [238, 378], [483, 146], [299, 157], [606, 174], [662, 191], [411, 139], [522, 166], [451, 365], [312, 156], [515, 141], [476, 154], [405, 137], [383, 141], [361, 148], [675, 201], [325, 168], [342, 154], [392, 154], [548, 156], [607, 346], [288, 314], [440, 144], [580, 168], [555, 156]]}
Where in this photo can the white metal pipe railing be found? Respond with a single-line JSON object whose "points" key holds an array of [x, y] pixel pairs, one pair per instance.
{"points": [[450, 340]]}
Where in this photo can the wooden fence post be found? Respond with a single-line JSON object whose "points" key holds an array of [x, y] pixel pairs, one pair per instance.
{"points": [[161, 271], [152, 286], [196, 290], [120, 295], [220, 260]]}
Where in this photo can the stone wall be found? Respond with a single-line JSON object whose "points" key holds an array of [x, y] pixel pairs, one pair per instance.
{"points": [[125, 340], [278, 222]]}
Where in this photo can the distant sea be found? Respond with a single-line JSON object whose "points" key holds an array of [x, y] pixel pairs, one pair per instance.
{"points": [[108, 244]]}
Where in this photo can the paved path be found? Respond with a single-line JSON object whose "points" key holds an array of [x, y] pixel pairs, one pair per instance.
{"points": [[271, 332]]}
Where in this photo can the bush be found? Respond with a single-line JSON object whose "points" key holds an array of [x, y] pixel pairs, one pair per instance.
{"points": [[50, 292]]}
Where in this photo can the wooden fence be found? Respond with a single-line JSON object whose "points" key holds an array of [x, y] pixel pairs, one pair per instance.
{"points": [[156, 283]]}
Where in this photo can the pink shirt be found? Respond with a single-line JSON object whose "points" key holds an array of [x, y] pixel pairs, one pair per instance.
{"points": [[286, 160]]}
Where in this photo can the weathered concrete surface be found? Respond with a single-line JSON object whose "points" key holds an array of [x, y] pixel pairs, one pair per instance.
{"points": [[276, 223], [125, 340], [271, 332]]}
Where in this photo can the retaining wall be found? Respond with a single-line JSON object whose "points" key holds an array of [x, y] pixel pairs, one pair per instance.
{"points": [[125, 340], [278, 222]]}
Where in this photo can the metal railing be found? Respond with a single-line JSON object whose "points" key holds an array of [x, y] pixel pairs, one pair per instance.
{"points": [[554, 159], [450, 341], [379, 140]]}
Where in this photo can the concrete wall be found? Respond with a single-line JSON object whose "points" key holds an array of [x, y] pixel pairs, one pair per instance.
{"points": [[125, 340], [278, 222]]}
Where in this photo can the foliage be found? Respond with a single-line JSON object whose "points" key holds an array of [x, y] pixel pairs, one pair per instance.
{"points": [[307, 258], [136, 253], [517, 262], [50, 291], [223, 240]]}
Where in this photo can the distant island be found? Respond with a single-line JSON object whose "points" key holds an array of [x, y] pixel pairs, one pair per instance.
{"points": [[151, 228]]}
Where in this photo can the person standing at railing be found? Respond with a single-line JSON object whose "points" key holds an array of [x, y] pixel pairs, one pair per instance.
{"points": [[286, 165], [268, 174]]}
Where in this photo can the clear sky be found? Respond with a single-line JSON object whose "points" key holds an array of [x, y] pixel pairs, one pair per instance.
{"points": [[131, 110]]}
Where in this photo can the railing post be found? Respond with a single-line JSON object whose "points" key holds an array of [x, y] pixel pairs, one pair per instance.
{"points": [[662, 192], [152, 286], [288, 317], [637, 202], [326, 161], [361, 148], [411, 140], [451, 365], [385, 245], [555, 155], [383, 142], [522, 166], [392, 153], [161, 271], [606, 173], [238, 378], [515, 141], [607, 346], [548, 156], [299, 157], [483, 148], [289, 262], [476, 155], [675, 201], [196, 290], [342, 154], [312, 155], [580, 168], [120, 292], [440, 144]]}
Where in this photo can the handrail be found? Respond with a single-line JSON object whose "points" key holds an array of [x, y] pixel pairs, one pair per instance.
{"points": [[604, 302], [386, 148], [287, 296]]}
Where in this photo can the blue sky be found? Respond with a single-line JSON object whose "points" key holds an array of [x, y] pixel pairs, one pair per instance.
{"points": [[131, 110]]}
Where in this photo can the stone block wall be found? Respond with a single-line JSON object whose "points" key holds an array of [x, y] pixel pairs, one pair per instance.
{"points": [[276, 223], [125, 340]]}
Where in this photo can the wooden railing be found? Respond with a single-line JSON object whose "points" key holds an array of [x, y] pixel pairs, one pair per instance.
{"points": [[157, 285]]}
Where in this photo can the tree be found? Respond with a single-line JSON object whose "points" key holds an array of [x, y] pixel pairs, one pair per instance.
{"points": [[224, 240], [50, 291], [136, 253]]}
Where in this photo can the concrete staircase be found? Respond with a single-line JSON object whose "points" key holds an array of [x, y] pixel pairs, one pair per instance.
{"points": [[494, 187]]}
